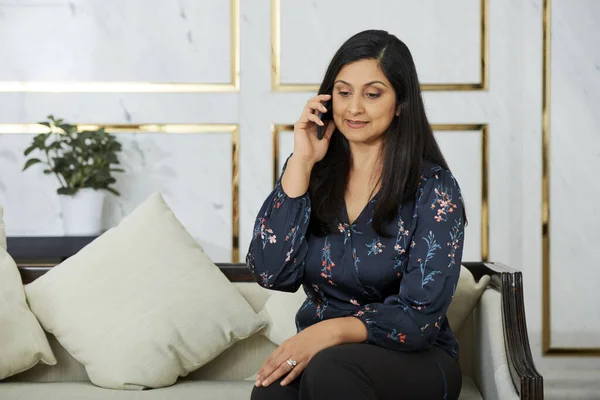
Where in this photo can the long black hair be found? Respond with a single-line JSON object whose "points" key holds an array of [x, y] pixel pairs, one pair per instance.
{"points": [[408, 141]]}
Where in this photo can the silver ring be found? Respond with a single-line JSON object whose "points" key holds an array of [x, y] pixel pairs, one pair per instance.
{"points": [[292, 363]]}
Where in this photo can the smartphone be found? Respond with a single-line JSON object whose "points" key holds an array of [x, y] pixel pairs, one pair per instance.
{"points": [[328, 116]]}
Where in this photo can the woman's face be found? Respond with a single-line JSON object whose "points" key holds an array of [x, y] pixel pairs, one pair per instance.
{"points": [[364, 102]]}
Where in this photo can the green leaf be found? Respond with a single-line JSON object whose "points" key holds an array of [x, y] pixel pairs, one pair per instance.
{"points": [[47, 171], [113, 191], [68, 128], [55, 145], [29, 150], [39, 140], [46, 124], [66, 191], [31, 162], [117, 170]]}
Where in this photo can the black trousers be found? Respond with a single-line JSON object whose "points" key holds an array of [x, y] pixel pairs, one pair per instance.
{"points": [[365, 371]]}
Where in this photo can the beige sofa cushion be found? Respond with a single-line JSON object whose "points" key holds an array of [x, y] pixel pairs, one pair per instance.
{"points": [[2, 231], [23, 343], [204, 390], [280, 312], [66, 369], [86, 391], [240, 361], [142, 304], [465, 298], [243, 359], [281, 307]]}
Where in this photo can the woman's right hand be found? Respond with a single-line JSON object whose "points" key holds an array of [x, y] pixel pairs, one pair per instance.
{"points": [[307, 146]]}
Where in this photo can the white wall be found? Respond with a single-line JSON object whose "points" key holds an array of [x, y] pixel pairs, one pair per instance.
{"points": [[190, 42]]}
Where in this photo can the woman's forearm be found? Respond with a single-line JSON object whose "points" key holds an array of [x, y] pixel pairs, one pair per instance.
{"points": [[296, 177], [346, 330]]}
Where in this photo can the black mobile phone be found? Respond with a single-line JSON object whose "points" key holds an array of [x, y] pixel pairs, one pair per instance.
{"points": [[328, 116]]}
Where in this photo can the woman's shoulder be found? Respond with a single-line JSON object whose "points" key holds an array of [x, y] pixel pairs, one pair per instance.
{"points": [[433, 173]]}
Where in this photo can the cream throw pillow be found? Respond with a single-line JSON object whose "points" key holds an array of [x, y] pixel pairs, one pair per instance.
{"points": [[2, 232], [142, 304], [280, 312], [23, 342], [281, 307], [466, 297]]}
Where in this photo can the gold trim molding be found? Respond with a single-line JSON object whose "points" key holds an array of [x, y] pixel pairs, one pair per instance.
{"points": [[277, 129], [277, 86], [144, 87], [546, 294], [232, 129]]}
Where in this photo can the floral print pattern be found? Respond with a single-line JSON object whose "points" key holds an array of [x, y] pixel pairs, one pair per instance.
{"points": [[432, 246], [397, 336], [400, 287], [347, 230], [375, 247], [326, 262], [401, 241], [456, 235], [322, 303], [442, 204], [266, 234], [265, 279], [355, 260]]}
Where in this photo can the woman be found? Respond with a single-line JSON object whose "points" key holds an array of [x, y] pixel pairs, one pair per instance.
{"points": [[370, 221]]}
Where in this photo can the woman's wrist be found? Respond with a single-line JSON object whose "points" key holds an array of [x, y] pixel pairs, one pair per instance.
{"points": [[346, 330], [302, 164], [296, 177]]}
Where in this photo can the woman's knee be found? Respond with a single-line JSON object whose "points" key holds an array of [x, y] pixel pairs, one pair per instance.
{"points": [[330, 362], [275, 392], [336, 372]]}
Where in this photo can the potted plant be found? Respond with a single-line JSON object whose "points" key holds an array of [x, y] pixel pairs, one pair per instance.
{"points": [[83, 163]]}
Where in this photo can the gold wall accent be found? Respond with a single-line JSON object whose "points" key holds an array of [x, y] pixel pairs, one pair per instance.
{"points": [[277, 129], [546, 295], [144, 87], [232, 129], [277, 86]]}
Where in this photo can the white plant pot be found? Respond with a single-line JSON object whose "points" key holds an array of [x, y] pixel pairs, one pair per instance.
{"points": [[82, 212]]}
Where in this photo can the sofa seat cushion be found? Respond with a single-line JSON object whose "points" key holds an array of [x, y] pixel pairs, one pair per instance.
{"points": [[469, 390], [213, 390]]}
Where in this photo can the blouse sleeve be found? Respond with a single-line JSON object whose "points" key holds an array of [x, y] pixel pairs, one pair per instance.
{"points": [[411, 319], [278, 248]]}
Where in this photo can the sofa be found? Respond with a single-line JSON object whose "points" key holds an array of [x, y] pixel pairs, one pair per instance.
{"points": [[495, 355], [142, 312]]}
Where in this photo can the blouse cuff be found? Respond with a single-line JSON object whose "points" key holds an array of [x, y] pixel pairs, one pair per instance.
{"points": [[362, 317], [281, 194]]}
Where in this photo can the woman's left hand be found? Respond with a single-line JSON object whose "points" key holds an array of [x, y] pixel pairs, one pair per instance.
{"points": [[300, 348]]}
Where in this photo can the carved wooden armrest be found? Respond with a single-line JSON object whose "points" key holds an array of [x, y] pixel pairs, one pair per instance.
{"points": [[509, 282]]}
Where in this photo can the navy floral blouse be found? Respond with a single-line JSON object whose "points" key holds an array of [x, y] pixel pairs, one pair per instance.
{"points": [[399, 287]]}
